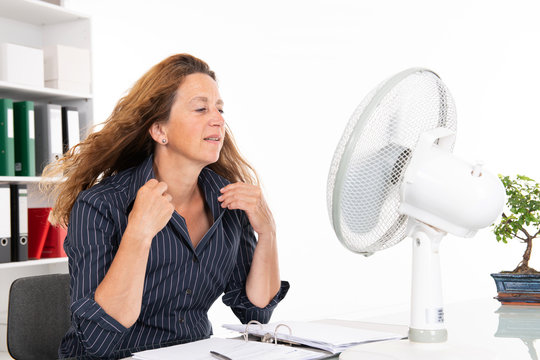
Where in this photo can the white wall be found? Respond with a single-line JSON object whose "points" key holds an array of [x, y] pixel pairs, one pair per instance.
{"points": [[292, 72]]}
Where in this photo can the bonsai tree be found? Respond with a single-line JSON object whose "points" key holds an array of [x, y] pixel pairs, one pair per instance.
{"points": [[523, 218]]}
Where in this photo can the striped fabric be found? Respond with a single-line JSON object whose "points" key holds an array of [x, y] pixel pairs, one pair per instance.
{"points": [[181, 282]]}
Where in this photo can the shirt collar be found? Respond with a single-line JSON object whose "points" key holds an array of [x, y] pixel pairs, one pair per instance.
{"points": [[141, 175], [211, 184]]}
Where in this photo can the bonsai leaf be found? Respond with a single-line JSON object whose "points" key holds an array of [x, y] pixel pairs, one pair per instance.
{"points": [[507, 228], [524, 178], [521, 220]]}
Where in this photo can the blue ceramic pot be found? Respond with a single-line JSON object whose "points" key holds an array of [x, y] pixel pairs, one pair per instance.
{"points": [[517, 283], [518, 289]]}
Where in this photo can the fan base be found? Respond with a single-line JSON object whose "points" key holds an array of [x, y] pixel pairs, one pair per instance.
{"points": [[407, 350], [428, 336]]}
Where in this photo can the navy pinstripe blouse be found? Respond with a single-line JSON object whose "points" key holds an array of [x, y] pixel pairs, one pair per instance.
{"points": [[181, 282]]}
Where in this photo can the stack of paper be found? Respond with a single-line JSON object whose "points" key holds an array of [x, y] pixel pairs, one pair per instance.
{"points": [[230, 348], [332, 338]]}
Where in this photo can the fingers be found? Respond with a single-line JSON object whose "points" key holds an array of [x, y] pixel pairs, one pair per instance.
{"points": [[158, 186], [249, 198], [240, 186], [240, 196], [245, 204], [240, 189], [152, 208], [168, 197]]}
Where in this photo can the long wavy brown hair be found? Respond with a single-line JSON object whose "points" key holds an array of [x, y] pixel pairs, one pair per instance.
{"points": [[124, 141]]}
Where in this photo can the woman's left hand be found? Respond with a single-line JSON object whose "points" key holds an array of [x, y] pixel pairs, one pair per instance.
{"points": [[250, 199]]}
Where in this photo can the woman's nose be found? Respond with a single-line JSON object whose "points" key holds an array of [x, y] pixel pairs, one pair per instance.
{"points": [[217, 118]]}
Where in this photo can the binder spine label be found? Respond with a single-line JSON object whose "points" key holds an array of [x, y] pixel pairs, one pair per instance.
{"points": [[31, 125], [10, 131]]}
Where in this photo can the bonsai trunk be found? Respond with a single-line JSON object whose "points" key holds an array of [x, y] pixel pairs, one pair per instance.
{"points": [[523, 267]]}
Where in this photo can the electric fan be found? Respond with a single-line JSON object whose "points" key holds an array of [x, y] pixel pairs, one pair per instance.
{"points": [[393, 176]]}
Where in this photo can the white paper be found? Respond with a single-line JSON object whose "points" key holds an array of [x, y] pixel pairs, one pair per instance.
{"points": [[333, 338], [233, 348]]}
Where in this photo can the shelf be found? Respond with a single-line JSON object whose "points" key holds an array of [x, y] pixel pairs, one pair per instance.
{"points": [[41, 25], [20, 179], [4, 355], [25, 264], [26, 180], [25, 92], [37, 12]]}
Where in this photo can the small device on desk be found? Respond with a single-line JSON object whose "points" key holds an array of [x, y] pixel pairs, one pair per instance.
{"points": [[219, 356]]}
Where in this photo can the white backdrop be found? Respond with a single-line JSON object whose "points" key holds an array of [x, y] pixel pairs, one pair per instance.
{"points": [[292, 72]]}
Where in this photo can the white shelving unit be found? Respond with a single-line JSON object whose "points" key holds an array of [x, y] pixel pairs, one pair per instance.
{"points": [[44, 94], [39, 24]]}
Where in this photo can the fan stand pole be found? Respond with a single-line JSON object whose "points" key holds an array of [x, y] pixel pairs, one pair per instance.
{"points": [[427, 313], [427, 332]]}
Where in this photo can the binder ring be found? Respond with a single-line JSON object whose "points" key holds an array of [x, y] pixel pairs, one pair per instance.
{"points": [[276, 329], [252, 322]]}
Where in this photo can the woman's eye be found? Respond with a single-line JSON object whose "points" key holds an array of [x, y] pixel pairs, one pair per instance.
{"points": [[201, 110]]}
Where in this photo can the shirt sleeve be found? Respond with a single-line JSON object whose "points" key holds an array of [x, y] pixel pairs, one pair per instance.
{"points": [[90, 248], [235, 292]]}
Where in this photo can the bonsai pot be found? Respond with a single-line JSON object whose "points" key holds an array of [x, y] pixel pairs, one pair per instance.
{"points": [[517, 289]]}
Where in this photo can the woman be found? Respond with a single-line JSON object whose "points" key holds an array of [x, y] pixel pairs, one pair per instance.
{"points": [[162, 211]]}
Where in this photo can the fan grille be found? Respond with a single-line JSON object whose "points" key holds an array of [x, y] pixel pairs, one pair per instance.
{"points": [[368, 165]]}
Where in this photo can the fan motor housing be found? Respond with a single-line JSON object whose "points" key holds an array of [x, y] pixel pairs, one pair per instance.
{"points": [[449, 193]]}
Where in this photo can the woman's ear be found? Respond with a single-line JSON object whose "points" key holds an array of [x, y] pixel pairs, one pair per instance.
{"points": [[158, 132]]}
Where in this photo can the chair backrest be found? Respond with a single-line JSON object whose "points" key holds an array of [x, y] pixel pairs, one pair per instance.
{"points": [[38, 316]]}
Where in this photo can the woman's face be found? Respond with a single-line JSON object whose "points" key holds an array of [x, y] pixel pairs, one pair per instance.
{"points": [[195, 129]]}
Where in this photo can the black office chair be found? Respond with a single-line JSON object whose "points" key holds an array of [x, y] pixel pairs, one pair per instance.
{"points": [[38, 316]]}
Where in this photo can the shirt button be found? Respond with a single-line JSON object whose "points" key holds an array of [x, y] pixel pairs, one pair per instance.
{"points": [[195, 260], [188, 291], [181, 320]]}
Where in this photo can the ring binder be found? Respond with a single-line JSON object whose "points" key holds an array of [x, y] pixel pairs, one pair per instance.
{"points": [[5, 250], [276, 330], [268, 337], [246, 333], [5, 224], [19, 222], [327, 337]]}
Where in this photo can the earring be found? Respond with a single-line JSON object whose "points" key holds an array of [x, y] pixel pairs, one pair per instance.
{"points": [[164, 141]]}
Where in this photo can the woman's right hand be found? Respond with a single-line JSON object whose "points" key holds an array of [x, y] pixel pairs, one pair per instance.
{"points": [[120, 291], [151, 211]]}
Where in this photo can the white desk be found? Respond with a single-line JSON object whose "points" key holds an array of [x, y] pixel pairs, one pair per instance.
{"points": [[482, 329], [506, 332], [493, 331]]}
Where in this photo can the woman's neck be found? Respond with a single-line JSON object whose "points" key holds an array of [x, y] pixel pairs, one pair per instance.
{"points": [[180, 176]]}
